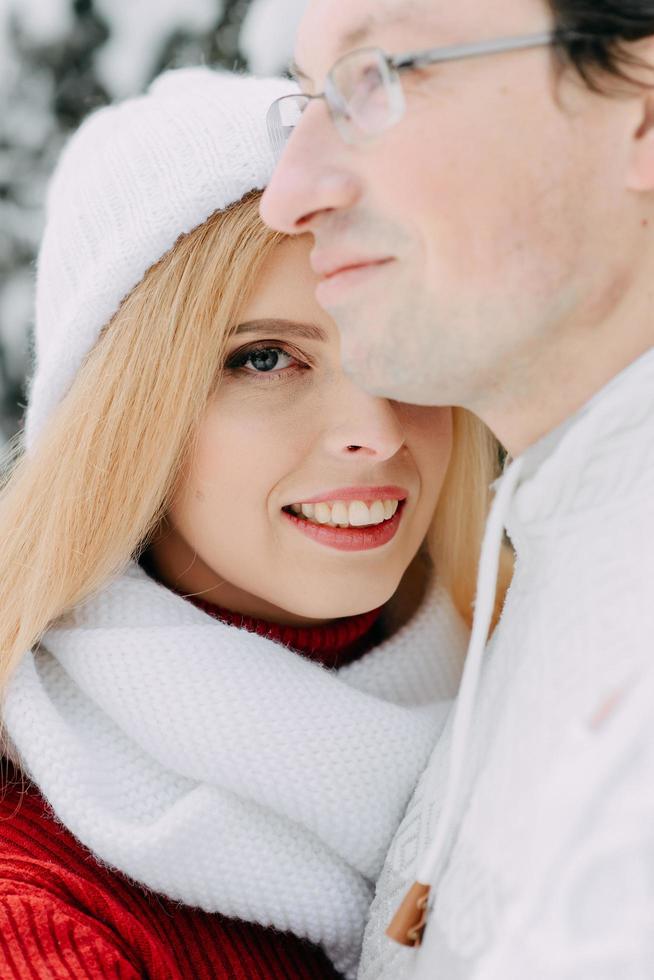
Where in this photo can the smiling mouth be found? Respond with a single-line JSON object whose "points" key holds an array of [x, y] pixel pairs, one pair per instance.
{"points": [[348, 526], [344, 514]]}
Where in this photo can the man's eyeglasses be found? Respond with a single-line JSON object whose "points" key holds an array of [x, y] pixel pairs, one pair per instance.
{"points": [[363, 90]]}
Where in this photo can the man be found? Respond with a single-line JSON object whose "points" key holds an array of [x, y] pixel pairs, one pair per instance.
{"points": [[479, 181]]}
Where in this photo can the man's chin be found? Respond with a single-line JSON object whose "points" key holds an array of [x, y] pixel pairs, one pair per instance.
{"points": [[366, 359], [384, 381], [366, 373]]}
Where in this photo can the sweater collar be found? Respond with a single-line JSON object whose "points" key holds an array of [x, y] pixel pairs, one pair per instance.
{"points": [[333, 644], [583, 458]]}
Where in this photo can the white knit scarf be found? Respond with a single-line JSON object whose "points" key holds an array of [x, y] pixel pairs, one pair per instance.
{"points": [[224, 770]]}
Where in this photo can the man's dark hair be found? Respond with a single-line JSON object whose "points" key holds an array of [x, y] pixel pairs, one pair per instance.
{"points": [[595, 36]]}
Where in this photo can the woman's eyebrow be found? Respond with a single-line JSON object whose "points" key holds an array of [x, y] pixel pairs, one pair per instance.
{"points": [[308, 331]]}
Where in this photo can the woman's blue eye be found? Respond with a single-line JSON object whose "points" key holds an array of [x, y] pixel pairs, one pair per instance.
{"points": [[265, 360], [272, 362]]}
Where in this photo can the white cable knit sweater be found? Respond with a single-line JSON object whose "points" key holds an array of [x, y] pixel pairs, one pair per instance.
{"points": [[547, 870], [220, 768]]}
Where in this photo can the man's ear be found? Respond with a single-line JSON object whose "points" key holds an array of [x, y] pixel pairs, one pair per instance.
{"points": [[640, 175]]}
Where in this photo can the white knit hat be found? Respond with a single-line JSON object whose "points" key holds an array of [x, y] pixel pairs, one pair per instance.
{"points": [[131, 180]]}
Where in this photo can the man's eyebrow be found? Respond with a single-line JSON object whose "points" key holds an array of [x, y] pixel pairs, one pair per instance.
{"points": [[297, 73], [356, 36], [308, 331], [352, 39], [391, 14]]}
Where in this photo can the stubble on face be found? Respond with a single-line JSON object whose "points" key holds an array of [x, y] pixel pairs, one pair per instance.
{"points": [[381, 355], [503, 202], [381, 348], [394, 331]]}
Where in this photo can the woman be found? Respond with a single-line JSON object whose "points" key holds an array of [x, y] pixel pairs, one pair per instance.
{"points": [[238, 653]]}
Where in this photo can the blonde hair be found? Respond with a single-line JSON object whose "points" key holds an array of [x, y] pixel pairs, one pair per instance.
{"points": [[103, 472], [457, 530]]}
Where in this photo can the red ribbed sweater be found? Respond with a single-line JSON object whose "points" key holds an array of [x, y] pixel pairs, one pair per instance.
{"points": [[64, 915]]}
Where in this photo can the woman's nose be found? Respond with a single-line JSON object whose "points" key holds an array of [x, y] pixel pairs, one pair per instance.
{"points": [[363, 426]]}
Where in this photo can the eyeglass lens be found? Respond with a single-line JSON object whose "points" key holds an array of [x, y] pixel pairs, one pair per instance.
{"points": [[364, 95], [283, 117], [370, 93]]}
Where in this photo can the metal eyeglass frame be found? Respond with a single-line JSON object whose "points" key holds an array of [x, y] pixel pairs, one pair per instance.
{"points": [[408, 61]]}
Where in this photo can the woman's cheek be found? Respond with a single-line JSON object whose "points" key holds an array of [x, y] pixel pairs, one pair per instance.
{"points": [[239, 461], [431, 443], [429, 429]]}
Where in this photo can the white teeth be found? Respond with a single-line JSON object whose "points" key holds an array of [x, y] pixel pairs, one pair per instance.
{"points": [[323, 513], [359, 514], [341, 514]]}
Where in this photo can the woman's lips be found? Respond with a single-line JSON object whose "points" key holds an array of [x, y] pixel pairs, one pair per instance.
{"points": [[349, 538], [386, 492]]}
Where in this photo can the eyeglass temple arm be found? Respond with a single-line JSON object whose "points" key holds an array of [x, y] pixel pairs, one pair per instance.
{"points": [[417, 59]]}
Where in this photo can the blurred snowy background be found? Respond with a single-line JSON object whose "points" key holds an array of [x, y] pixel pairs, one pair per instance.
{"points": [[60, 59]]}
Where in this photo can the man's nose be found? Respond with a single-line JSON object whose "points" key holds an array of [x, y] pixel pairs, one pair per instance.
{"points": [[311, 178]]}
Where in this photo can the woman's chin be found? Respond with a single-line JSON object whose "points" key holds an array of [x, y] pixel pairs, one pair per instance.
{"points": [[332, 606]]}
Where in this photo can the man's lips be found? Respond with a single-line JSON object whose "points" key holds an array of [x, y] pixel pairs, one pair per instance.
{"points": [[327, 266], [338, 281]]}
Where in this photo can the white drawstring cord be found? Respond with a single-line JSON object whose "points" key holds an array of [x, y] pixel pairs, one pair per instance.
{"points": [[486, 590]]}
